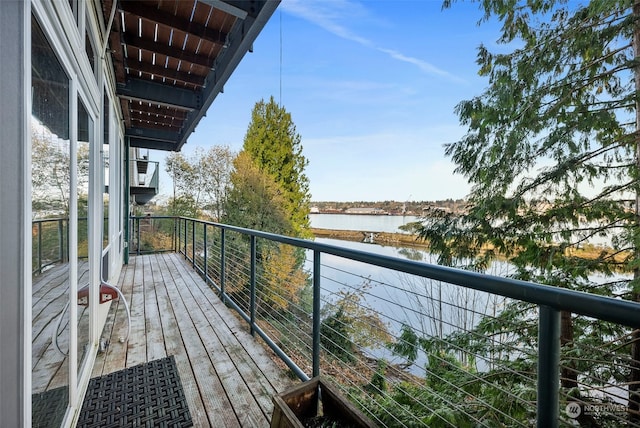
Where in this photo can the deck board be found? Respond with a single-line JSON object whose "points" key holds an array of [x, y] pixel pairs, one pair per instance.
{"points": [[155, 335], [115, 328], [206, 345], [205, 386], [137, 344], [246, 364], [174, 346], [227, 376]]}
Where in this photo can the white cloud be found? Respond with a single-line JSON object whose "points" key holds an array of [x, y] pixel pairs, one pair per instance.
{"points": [[335, 17], [422, 65]]}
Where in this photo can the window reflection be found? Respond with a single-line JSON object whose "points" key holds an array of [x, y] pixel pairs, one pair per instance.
{"points": [[105, 181], [88, 46], [85, 133], [51, 190]]}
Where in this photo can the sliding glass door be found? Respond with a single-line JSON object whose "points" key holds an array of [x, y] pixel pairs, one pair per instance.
{"points": [[52, 198], [65, 252]]}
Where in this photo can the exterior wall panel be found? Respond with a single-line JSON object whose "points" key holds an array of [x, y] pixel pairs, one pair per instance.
{"points": [[15, 216]]}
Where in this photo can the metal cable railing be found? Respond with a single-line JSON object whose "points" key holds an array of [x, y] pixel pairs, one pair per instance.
{"points": [[51, 242], [415, 344], [50, 238]]}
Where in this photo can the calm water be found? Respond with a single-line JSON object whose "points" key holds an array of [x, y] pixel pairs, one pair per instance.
{"points": [[388, 290], [367, 223], [431, 308]]}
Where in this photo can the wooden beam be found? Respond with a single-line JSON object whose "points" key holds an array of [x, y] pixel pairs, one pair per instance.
{"points": [[164, 112], [149, 123], [124, 107], [227, 8], [160, 94], [145, 143], [170, 51], [153, 134], [170, 74], [143, 10]]}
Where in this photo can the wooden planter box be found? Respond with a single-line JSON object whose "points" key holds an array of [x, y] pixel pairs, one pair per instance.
{"points": [[314, 399]]}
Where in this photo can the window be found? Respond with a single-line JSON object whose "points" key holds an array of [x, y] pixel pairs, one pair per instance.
{"points": [[51, 184], [74, 5], [83, 150], [105, 161], [91, 52]]}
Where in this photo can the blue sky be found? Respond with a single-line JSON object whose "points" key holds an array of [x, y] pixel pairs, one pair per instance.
{"points": [[371, 87]]}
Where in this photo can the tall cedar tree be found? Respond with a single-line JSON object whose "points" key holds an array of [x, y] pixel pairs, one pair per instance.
{"points": [[256, 201], [552, 153], [275, 146]]}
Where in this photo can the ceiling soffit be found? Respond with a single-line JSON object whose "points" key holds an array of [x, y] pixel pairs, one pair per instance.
{"points": [[172, 58]]}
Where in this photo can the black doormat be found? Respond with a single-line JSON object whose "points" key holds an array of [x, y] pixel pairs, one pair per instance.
{"points": [[147, 395], [48, 408]]}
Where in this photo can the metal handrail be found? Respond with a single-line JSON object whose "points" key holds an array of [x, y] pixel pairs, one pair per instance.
{"points": [[591, 305], [550, 300]]}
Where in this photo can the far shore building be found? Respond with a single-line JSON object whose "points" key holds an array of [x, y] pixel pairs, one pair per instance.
{"points": [[365, 211]]}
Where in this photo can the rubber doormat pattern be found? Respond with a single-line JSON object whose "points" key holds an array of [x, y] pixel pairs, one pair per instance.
{"points": [[49, 408], [147, 395]]}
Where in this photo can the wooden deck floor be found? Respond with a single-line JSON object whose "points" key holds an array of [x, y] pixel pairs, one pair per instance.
{"points": [[49, 297], [227, 376]]}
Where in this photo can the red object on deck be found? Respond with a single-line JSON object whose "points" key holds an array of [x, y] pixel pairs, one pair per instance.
{"points": [[107, 294]]}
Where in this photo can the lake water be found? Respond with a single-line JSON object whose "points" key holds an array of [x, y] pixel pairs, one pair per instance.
{"points": [[387, 223], [392, 293], [431, 308], [367, 223]]}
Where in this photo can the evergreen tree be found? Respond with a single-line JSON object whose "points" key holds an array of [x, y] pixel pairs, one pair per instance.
{"points": [[269, 192], [256, 201], [552, 152], [272, 142]]}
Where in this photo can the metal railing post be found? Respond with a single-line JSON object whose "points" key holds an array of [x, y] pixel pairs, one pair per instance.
{"points": [[222, 265], [204, 264], [39, 247], [63, 249], [66, 237], [252, 304], [175, 235], [179, 235], [61, 240], [548, 406], [316, 313], [138, 234], [185, 239], [193, 244]]}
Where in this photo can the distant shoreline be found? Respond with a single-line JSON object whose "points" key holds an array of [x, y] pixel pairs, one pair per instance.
{"points": [[381, 238]]}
